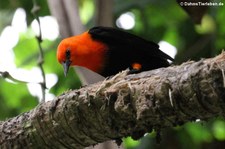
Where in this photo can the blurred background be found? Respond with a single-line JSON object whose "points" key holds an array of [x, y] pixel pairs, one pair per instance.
{"points": [[186, 33]]}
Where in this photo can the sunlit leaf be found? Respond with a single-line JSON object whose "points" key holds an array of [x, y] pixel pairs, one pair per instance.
{"points": [[198, 132], [219, 129], [130, 143]]}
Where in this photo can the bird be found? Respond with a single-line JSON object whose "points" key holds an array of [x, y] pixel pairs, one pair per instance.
{"points": [[107, 51]]}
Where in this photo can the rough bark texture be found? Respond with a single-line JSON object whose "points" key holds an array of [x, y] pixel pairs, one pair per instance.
{"points": [[122, 106]]}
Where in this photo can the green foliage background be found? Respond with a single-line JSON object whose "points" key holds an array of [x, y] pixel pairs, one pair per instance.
{"points": [[155, 20]]}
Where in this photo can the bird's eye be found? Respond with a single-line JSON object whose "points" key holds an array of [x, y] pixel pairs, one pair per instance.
{"points": [[68, 54]]}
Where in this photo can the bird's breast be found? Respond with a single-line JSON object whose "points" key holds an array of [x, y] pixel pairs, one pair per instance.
{"points": [[91, 53]]}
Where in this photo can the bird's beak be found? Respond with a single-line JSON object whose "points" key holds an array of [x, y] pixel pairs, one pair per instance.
{"points": [[66, 66]]}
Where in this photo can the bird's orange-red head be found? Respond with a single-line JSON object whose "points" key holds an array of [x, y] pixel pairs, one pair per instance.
{"points": [[81, 50]]}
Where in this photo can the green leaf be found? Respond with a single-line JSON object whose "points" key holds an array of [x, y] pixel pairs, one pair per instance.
{"points": [[130, 143], [219, 130], [198, 132]]}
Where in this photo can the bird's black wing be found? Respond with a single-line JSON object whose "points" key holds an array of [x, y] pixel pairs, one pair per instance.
{"points": [[115, 37]]}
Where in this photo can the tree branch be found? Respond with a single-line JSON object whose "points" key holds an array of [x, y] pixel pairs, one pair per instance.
{"points": [[122, 106], [104, 12]]}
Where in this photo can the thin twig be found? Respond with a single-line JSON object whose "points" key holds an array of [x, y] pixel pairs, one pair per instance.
{"points": [[40, 62], [6, 75]]}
